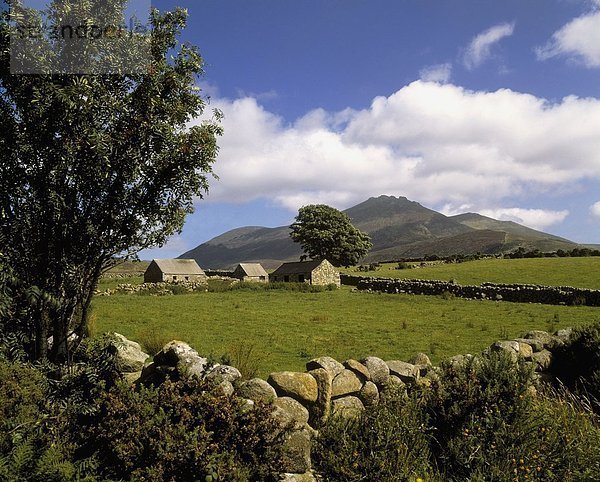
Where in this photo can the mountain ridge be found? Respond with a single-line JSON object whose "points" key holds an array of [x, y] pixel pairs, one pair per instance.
{"points": [[398, 228]]}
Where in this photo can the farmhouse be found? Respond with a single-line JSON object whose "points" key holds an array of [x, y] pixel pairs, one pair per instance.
{"points": [[316, 272], [250, 272], [161, 270]]}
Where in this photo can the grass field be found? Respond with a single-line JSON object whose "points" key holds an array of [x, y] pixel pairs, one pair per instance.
{"points": [[288, 328], [578, 272]]}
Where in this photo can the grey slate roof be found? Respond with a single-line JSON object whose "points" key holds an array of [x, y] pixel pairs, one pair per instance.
{"points": [[298, 267], [254, 270], [179, 266]]}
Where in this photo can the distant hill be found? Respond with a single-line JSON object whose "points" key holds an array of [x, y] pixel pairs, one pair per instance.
{"points": [[398, 228]]}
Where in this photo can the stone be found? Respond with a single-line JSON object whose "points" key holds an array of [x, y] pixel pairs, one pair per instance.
{"points": [[321, 409], [130, 357], [347, 406], [296, 452], [345, 383], [525, 350], [224, 389], [330, 364], [395, 381], [182, 356], [511, 347], [535, 344], [549, 341], [305, 477], [369, 394], [358, 368], [154, 374], [378, 370], [258, 390], [300, 386], [565, 334], [542, 360], [132, 377], [407, 372], [224, 373], [290, 411], [420, 359], [174, 352]]}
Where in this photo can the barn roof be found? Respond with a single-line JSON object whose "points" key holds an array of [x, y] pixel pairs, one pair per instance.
{"points": [[178, 266], [298, 267], [253, 269]]}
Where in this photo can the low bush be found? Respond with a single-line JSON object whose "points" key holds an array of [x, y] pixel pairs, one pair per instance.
{"points": [[388, 442], [180, 431], [576, 364]]}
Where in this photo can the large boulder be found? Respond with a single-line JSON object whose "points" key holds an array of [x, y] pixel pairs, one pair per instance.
{"points": [[369, 394], [258, 390], [345, 383], [378, 369], [347, 406], [182, 356], [130, 357], [330, 364], [321, 409], [290, 412], [296, 452], [300, 386], [407, 372], [358, 368]]}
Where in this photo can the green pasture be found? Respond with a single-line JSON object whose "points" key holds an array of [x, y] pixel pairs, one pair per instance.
{"points": [[285, 328], [578, 272]]}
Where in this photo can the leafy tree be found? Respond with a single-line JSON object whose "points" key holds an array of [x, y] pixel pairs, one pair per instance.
{"points": [[98, 165], [326, 233]]}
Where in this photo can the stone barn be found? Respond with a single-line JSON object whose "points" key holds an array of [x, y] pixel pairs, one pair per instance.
{"points": [[250, 272], [316, 272], [161, 270]]}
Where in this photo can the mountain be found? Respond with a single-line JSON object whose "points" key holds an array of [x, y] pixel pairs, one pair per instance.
{"points": [[398, 228]]}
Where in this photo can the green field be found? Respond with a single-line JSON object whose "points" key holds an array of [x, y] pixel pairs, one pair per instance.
{"points": [[288, 328], [578, 272]]}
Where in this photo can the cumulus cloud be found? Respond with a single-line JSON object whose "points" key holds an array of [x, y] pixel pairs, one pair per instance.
{"points": [[579, 39], [437, 73], [434, 143], [595, 209], [534, 218], [480, 48]]}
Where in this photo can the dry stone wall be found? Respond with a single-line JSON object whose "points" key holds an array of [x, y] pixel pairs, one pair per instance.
{"points": [[305, 400], [520, 293]]}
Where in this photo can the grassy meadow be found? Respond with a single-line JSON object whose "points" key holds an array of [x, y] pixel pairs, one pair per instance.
{"points": [[578, 272], [284, 329]]}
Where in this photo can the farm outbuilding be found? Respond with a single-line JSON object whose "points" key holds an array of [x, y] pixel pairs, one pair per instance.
{"points": [[250, 272], [161, 270], [316, 272]]}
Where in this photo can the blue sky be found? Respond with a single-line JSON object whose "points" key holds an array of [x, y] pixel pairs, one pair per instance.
{"points": [[462, 105]]}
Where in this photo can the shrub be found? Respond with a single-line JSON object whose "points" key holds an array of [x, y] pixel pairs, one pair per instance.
{"points": [[244, 356], [387, 442], [179, 429], [476, 409], [152, 341], [577, 363]]}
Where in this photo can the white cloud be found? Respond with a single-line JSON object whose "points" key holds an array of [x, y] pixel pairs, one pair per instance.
{"points": [[480, 48], [437, 73], [434, 143], [595, 209], [578, 39], [534, 218]]}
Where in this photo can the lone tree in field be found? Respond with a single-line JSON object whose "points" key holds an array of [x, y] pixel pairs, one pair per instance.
{"points": [[93, 165], [326, 233]]}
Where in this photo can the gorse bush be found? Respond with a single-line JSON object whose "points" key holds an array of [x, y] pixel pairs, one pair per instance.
{"points": [[180, 431], [388, 442], [479, 421], [576, 363]]}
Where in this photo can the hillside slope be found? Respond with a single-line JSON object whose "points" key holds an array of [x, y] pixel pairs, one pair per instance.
{"points": [[398, 228]]}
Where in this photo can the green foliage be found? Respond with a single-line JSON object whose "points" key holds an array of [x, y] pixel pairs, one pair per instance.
{"points": [[95, 166], [326, 233], [245, 356], [387, 442], [479, 421], [577, 363], [179, 429], [153, 339]]}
